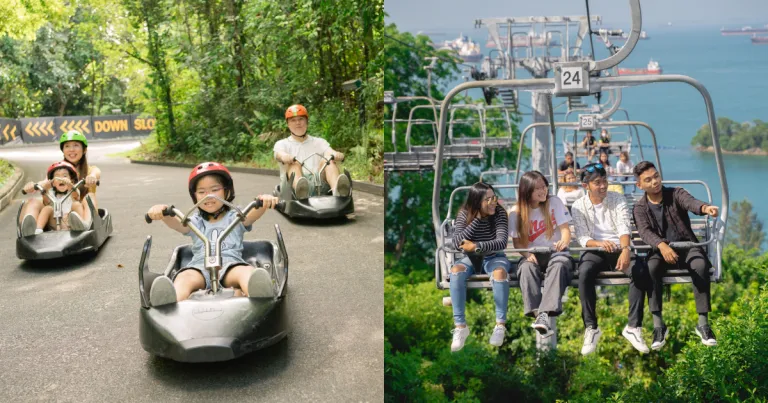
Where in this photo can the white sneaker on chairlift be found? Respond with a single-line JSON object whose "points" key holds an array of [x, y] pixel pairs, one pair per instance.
{"points": [[28, 225], [162, 292], [302, 188], [260, 284], [342, 186], [76, 223]]}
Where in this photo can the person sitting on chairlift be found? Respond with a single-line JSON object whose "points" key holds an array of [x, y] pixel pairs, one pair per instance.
{"points": [[588, 144], [602, 220], [662, 217], [541, 220]]}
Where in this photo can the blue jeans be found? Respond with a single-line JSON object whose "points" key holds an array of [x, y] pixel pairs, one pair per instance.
{"points": [[458, 286]]}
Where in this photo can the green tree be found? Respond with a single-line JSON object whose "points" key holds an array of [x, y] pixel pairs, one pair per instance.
{"points": [[745, 230]]}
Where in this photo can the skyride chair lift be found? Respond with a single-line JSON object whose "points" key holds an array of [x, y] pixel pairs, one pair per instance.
{"points": [[564, 84]]}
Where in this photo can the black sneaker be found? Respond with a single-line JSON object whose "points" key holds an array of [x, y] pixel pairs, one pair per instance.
{"points": [[660, 335], [706, 335], [542, 325]]}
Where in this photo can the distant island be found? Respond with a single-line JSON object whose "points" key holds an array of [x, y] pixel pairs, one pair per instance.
{"points": [[735, 138]]}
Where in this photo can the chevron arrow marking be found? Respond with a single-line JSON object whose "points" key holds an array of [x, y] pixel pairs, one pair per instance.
{"points": [[34, 129], [85, 127], [50, 128], [5, 132], [27, 129], [13, 132]]}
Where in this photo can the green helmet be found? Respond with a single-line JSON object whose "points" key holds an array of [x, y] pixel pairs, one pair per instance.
{"points": [[72, 135]]}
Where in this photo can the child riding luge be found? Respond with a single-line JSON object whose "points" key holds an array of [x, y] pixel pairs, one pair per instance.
{"points": [[62, 176], [212, 218]]}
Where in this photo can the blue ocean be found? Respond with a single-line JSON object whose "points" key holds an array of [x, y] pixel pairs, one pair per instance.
{"points": [[733, 70]]}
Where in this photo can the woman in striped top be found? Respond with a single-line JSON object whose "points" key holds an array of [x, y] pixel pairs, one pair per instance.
{"points": [[481, 231]]}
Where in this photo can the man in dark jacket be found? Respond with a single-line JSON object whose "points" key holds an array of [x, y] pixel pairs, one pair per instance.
{"points": [[662, 217]]}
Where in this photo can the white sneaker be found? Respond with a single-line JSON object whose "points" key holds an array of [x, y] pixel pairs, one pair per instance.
{"points": [[591, 337], [497, 337], [28, 225], [460, 335], [635, 336], [75, 222], [162, 292], [302, 188], [260, 284], [342, 186], [38, 231]]}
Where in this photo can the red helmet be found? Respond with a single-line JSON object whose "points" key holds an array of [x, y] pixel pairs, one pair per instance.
{"points": [[296, 110], [211, 168], [62, 164]]}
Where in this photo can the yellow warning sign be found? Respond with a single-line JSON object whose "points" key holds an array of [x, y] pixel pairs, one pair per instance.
{"points": [[39, 128], [9, 131], [108, 126], [144, 124], [80, 125]]}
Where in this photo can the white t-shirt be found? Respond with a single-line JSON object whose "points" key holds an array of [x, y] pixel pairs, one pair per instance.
{"points": [[622, 168], [603, 228], [538, 229], [570, 197], [303, 150]]}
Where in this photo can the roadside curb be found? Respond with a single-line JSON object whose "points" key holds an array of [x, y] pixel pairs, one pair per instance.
{"points": [[11, 186], [366, 187]]}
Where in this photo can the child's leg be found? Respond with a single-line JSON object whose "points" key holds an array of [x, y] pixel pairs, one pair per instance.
{"points": [[31, 207], [46, 213], [187, 282], [238, 276], [86, 212], [78, 208]]}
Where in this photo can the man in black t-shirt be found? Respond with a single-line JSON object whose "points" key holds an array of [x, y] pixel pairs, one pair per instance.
{"points": [[567, 164]]}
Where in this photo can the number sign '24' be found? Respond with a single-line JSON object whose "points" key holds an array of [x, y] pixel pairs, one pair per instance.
{"points": [[571, 78]]}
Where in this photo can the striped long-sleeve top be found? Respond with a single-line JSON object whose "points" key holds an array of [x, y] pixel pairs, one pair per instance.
{"points": [[490, 234]]}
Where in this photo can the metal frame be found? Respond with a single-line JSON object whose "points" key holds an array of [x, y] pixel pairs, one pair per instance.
{"points": [[546, 85]]}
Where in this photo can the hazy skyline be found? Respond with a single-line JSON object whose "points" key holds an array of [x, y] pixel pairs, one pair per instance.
{"points": [[426, 15]]}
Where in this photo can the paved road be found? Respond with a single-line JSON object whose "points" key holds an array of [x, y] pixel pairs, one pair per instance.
{"points": [[69, 330]]}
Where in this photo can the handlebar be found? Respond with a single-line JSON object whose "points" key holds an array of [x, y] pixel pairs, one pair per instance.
{"points": [[168, 211], [41, 190]]}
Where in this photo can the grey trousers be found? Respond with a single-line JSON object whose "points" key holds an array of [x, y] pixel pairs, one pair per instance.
{"points": [[556, 277]]}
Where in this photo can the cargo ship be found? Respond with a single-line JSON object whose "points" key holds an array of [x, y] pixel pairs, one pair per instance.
{"points": [[744, 31], [652, 69], [760, 40], [470, 52]]}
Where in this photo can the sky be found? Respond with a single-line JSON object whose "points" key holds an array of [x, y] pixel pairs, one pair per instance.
{"points": [[434, 15]]}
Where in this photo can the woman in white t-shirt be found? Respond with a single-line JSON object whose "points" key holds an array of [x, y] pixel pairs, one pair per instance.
{"points": [[569, 194], [541, 220]]}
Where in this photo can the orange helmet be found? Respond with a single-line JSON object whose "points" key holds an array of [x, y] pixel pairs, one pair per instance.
{"points": [[296, 110], [65, 165]]}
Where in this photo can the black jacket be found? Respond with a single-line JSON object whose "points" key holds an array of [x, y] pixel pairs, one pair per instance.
{"points": [[677, 203]]}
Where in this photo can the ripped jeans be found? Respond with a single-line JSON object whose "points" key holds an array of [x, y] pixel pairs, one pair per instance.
{"points": [[458, 286]]}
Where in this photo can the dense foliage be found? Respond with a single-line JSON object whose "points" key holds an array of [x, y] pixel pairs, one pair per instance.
{"points": [[218, 74], [735, 136]]}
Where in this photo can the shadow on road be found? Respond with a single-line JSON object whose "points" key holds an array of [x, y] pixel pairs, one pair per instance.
{"points": [[59, 265], [250, 369]]}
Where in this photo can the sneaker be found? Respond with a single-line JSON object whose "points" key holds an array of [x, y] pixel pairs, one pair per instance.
{"points": [[660, 335], [38, 231], [460, 335], [497, 337], [28, 225], [162, 292], [260, 284], [75, 222], [707, 337], [302, 188], [635, 336], [342, 186], [591, 337], [541, 324]]}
